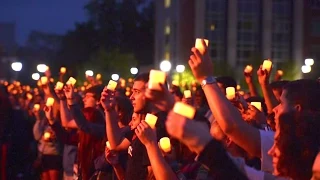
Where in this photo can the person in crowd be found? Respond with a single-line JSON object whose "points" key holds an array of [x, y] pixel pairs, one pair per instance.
{"points": [[49, 159], [138, 166]]}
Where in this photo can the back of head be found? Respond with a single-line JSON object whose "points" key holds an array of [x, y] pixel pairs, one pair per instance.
{"points": [[298, 142], [96, 91], [144, 77], [124, 106], [278, 85], [304, 92], [227, 81]]}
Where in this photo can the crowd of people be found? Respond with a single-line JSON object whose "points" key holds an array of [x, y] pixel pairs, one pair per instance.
{"points": [[64, 132]]}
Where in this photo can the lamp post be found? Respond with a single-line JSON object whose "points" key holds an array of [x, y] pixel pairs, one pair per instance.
{"points": [[42, 68], [89, 73], [115, 77], [306, 69], [180, 69], [165, 66], [134, 70], [35, 76]]}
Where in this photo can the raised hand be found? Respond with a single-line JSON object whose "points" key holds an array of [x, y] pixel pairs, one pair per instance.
{"points": [[195, 135], [107, 99], [201, 64], [69, 91], [145, 134], [61, 95], [162, 99], [263, 76], [49, 113], [248, 77]]}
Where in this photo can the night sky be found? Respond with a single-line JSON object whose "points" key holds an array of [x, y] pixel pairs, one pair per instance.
{"points": [[54, 16]]}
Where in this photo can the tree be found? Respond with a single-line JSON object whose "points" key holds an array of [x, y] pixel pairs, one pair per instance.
{"points": [[127, 25], [113, 62]]}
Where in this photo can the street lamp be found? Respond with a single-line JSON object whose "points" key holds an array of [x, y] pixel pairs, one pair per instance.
{"points": [[165, 66], [134, 70], [35, 76], [16, 66], [89, 73], [42, 68], [309, 62], [180, 68], [115, 77], [305, 69]]}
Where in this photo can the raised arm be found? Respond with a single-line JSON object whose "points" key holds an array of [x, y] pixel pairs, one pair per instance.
{"points": [[65, 115], [97, 130], [251, 86], [270, 99], [115, 137], [227, 116], [160, 167]]}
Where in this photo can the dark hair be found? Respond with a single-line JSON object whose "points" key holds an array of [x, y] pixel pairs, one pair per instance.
{"points": [[298, 142], [227, 81], [304, 92], [124, 106], [278, 84], [96, 91], [144, 77]]}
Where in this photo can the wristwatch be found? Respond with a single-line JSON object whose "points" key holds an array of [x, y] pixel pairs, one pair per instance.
{"points": [[208, 80]]}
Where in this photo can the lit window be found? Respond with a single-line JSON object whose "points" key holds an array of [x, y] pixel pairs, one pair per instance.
{"points": [[167, 56], [167, 30], [212, 27], [167, 3]]}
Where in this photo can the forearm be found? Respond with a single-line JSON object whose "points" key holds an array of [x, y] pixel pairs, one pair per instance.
{"points": [[252, 89], [224, 112], [97, 130], [269, 97], [65, 114], [231, 122], [113, 131], [160, 167]]}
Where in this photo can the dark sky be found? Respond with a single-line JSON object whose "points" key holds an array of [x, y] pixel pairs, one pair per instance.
{"points": [[54, 16]]}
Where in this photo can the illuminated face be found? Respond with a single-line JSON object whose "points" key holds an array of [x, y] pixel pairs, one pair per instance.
{"points": [[89, 100], [316, 168], [135, 121], [138, 98]]}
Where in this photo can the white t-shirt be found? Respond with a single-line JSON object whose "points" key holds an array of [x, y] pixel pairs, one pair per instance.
{"points": [[267, 140]]}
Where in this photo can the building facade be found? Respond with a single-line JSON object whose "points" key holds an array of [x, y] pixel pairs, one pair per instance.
{"points": [[240, 31]]}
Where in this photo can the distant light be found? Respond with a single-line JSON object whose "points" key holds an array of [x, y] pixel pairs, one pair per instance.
{"points": [[115, 77], [180, 68], [305, 69], [42, 68], [89, 73], [212, 27], [35, 76], [309, 62], [165, 66], [134, 70], [16, 66]]}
